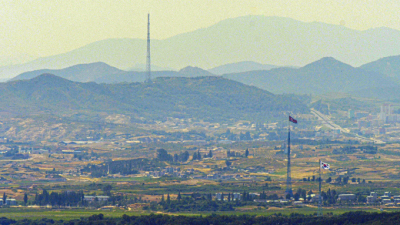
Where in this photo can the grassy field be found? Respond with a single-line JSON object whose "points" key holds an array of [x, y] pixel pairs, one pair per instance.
{"points": [[68, 214]]}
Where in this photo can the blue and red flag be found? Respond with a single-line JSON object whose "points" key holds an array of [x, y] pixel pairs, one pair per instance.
{"points": [[291, 119], [325, 166]]}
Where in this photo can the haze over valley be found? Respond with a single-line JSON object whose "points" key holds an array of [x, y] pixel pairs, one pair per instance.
{"points": [[199, 112]]}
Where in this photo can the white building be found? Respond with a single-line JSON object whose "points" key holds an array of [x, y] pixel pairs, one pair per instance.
{"points": [[396, 199], [92, 198], [373, 196], [347, 197], [236, 196], [387, 116], [219, 196], [11, 201]]}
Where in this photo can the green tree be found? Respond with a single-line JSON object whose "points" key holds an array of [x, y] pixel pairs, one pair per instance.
{"points": [[195, 156], [345, 180], [107, 189], [163, 155], [179, 196], [25, 198], [4, 198], [168, 199], [296, 196], [246, 153], [288, 196]]}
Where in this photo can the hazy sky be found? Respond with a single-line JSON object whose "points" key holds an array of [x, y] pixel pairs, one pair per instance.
{"points": [[48, 27]]}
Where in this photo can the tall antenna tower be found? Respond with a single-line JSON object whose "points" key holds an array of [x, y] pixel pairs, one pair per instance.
{"points": [[148, 66]]}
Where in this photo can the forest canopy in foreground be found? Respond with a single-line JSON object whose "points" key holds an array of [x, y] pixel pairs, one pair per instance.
{"points": [[358, 217]]}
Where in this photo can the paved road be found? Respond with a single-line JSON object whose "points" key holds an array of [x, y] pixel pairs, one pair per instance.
{"points": [[330, 124]]}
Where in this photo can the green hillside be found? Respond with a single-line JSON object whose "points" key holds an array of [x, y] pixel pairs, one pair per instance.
{"points": [[207, 98], [388, 65]]}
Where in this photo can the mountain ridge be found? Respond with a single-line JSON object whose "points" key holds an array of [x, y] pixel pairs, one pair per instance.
{"points": [[388, 65], [211, 98], [319, 77], [267, 40], [240, 67]]}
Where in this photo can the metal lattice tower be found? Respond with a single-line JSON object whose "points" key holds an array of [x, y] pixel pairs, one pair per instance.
{"points": [[289, 176], [148, 62]]}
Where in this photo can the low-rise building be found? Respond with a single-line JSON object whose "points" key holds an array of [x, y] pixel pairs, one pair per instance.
{"points": [[373, 196], [386, 201], [11, 201], [314, 198], [347, 197], [386, 195], [298, 203], [396, 199], [91, 198]]}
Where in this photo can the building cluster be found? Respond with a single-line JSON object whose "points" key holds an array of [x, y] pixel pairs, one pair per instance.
{"points": [[387, 114], [91, 198], [373, 198], [217, 176], [31, 150], [224, 197], [170, 171], [9, 201], [385, 199], [375, 125]]}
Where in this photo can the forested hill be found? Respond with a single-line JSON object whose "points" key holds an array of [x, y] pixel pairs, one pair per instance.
{"points": [[209, 98], [320, 77]]}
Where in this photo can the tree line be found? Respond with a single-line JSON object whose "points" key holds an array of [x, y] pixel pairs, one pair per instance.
{"points": [[358, 217]]}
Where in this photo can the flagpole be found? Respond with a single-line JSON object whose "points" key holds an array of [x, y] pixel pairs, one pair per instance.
{"points": [[320, 197], [289, 178]]}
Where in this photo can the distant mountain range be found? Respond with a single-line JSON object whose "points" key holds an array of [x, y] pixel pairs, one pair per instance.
{"points": [[240, 67], [320, 77], [142, 67], [388, 65], [208, 98], [102, 73], [81, 73], [267, 40]]}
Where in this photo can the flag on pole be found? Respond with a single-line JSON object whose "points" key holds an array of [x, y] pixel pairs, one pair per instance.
{"points": [[325, 166], [291, 119]]}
